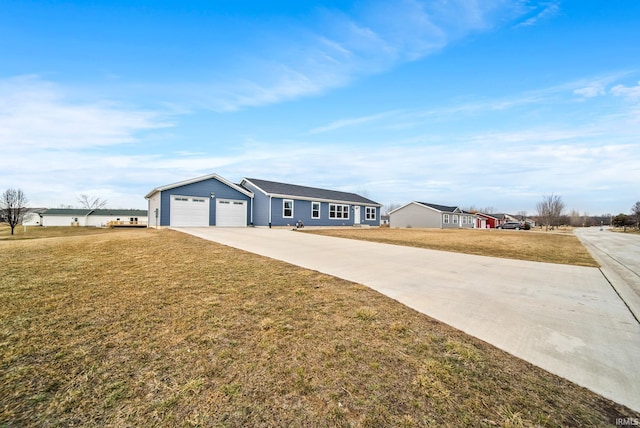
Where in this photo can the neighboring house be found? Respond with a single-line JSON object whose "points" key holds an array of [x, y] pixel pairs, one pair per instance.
{"points": [[505, 217], [427, 215], [214, 201], [33, 217], [488, 221], [88, 217]]}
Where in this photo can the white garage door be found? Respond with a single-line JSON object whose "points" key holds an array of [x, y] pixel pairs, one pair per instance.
{"points": [[231, 213], [189, 211]]}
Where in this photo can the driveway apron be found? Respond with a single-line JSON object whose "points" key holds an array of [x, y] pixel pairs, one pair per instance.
{"points": [[568, 320], [619, 257]]}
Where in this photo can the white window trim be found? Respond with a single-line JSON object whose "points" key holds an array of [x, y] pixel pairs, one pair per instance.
{"points": [[344, 209], [455, 218], [319, 210], [284, 203], [370, 213], [445, 218]]}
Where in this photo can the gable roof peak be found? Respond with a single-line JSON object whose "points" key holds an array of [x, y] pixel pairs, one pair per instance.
{"points": [[443, 208]]}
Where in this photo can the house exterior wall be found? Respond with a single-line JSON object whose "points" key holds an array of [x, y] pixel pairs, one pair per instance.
{"points": [[64, 220], [420, 216], [201, 189], [31, 219], [265, 205], [302, 210], [414, 215], [260, 205], [458, 220], [490, 222], [154, 204], [103, 220]]}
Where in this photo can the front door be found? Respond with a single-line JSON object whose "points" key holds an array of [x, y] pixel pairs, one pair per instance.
{"points": [[356, 214]]}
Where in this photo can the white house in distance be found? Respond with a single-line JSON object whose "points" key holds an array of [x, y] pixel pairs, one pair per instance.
{"points": [[428, 215], [95, 218]]}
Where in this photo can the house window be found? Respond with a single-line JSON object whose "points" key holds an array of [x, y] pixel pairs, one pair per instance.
{"points": [[445, 218], [455, 219], [339, 211], [287, 208], [370, 213], [315, 209]]}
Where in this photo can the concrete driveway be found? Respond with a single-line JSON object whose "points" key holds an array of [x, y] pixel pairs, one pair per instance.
{"points": [[619, 257], [566, 319]]}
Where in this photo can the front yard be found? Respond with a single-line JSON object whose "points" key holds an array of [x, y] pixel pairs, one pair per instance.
{"points": [[158, 328], [530, 245]]}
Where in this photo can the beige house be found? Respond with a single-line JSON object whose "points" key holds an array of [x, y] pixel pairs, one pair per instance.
{"points": [[428, 215]]}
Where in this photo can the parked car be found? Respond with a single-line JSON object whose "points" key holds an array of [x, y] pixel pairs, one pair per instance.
{"points": [[511, 225]]}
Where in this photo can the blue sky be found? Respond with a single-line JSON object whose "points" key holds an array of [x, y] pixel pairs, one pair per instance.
{"points": [[485, 104]]}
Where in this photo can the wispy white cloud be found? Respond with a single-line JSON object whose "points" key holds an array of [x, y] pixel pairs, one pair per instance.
{"points": [[540, 12], [593, 90], [338, 47], [344, 123], [37, 114], [631, 93]]}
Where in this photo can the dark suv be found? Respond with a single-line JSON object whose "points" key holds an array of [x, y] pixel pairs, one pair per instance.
{"points": [[511, 225]]}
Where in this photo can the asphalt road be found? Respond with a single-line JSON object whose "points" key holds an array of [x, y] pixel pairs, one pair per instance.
{"points": [[568, 320]]}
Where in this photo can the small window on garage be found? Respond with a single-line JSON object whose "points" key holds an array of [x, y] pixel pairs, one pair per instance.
{"points": [[198, 200], [287, 208]]}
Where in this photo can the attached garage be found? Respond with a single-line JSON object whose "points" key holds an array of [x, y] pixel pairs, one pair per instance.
{"points": [[189, 211], [231, 213], [201, 202]]}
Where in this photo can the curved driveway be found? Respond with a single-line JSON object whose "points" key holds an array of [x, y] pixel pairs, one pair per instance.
{"points": [[565, 319]]}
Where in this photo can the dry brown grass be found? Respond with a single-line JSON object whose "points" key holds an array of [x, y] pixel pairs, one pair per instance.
{"points": [[158, 328], [38, 232], [563, 248]]}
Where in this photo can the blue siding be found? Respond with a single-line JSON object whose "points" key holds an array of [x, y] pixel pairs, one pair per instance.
{"points": [[202, 189], [302, 211], [260, 206]]}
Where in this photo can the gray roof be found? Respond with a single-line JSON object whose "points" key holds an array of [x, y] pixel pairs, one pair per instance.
{"points": [[67, 211], [293, 191], [127, 213], [442, 208]]}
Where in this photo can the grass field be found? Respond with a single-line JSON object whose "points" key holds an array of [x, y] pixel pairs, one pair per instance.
{"points": [[548, 247], [158, 328]]}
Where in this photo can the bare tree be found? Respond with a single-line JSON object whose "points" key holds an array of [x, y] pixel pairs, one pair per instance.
{"points": [[391, 206], [635, 211], [13, 206], [91, 203], [550, 210]]}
